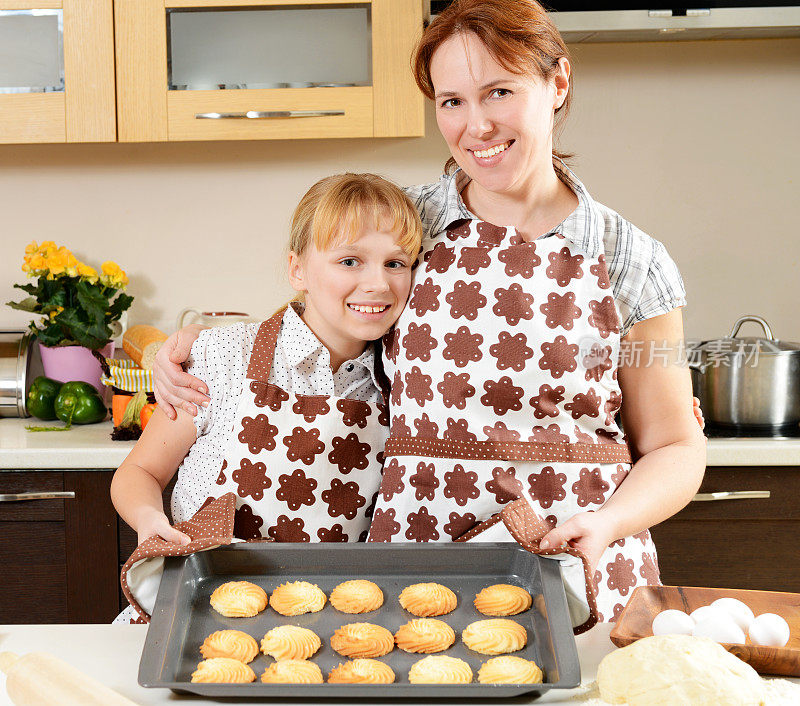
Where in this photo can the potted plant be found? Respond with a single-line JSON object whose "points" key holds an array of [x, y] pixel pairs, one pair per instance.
{"points": [[79, 309]]}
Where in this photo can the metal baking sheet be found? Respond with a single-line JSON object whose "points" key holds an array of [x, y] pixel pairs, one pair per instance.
{"points": [[183, 617]]}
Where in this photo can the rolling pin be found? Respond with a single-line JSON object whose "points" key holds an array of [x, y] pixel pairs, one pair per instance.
{"points": [[40, 679]]}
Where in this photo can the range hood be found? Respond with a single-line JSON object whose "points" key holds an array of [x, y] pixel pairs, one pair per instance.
{"points": [[669, 20]]}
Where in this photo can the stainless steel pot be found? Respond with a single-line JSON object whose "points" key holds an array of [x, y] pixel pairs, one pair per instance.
{"points": [[747, 382], [20, 363]]}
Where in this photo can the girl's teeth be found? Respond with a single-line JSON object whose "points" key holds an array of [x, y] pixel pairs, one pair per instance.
{"points": [[368, 309]]}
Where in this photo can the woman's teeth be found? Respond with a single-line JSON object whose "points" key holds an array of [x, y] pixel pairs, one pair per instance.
{"points": [[492, 151], [369, 309]]}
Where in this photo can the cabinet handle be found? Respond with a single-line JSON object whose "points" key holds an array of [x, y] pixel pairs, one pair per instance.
{"points": [[731, 495], [269, 114], [18, 497]]}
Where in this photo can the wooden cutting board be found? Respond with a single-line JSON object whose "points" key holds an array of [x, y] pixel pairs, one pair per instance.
{"points": [[648, 601]]}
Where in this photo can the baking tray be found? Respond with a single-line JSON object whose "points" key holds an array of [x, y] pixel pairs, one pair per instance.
{"points": [[183, 618], [636, 621]]}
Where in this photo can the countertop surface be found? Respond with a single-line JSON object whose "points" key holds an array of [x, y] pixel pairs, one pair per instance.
{"points": [[90, 447], [110, 654]]}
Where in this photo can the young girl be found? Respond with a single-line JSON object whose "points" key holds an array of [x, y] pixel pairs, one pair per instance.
{"points": [[297, 420]]}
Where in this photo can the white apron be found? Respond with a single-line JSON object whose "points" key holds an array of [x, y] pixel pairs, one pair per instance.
{"points": [[304, 468], [504, 385]]}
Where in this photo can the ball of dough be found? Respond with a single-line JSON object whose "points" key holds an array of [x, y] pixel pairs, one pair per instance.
{"points": [[424, 635], [239, 599], [223, 670], [357, 596], [230, 643], [428, 599], [298, 597], [494, 637], [440, 669], [290, 642], [502, 599], [362, 671], [678, 669], [362, 640], [292, 671], [509, 670]]}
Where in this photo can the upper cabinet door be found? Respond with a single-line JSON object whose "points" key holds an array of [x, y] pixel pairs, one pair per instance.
{"points": [[266, 69], [57, 71]]}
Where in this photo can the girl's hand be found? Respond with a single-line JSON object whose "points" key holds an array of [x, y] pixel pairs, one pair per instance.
{"points": [[172, 386], [698, 413], [154, 522], [591, 532]]}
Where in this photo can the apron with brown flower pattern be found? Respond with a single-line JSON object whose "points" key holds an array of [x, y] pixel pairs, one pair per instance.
{"points": [[504, 384], [304, 468]]}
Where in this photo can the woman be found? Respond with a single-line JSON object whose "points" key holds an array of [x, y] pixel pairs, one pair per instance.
{"points": [[534, 312]]}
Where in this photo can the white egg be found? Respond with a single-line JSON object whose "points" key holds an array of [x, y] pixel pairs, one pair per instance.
{"points": [[769, 630], [720, 627], [703, 612], [672, 622], [739, 611]]}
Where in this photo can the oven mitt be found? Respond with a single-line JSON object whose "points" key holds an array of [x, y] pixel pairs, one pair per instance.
{"points": [[520, 520], [209, 528]]}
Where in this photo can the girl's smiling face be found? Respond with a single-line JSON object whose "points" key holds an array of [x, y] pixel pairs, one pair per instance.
{"points": [[354, 291], [497, 124]]}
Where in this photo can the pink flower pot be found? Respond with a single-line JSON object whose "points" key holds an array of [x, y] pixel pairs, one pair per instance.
{"points": [[67, 363]]}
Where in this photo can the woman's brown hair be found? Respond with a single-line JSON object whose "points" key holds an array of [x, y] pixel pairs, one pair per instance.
{"points": [[517, 33]]}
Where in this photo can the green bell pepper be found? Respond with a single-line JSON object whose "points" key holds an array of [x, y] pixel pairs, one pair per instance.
{"points": [[42, 396], [79, 403]]}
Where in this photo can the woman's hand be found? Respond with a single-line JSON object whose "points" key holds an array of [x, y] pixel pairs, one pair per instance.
{"points": [[591, 532], [172, 386], [153, 522], [698, 413]]}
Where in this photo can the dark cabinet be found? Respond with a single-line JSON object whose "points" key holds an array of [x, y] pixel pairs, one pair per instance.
{"points": [[750, 543], [60, 559]]}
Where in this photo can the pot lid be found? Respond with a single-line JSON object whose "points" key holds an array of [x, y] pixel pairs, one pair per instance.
{"points": [[747, 345]]}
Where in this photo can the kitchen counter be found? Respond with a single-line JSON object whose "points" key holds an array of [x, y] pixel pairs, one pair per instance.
{"points": [[90, 446], [110, 653], [84, 447]]}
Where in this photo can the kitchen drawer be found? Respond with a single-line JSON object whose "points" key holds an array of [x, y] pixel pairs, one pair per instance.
{"points": [[751, 554], [32, 510], [782, 482]]}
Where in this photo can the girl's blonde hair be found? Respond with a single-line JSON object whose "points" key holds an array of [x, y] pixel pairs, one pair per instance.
{"points": [[337, 207]]}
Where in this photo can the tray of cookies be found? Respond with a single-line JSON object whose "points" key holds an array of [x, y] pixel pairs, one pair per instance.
{"points": [[271, 620]]}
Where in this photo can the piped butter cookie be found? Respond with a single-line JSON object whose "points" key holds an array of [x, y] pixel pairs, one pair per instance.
{"points": [[290, 642], [234, 644], [292, 671], [362, 640], [424, 635], [298, 597], [239, 599], [502, 599], [357, 596], [223, 670], [509, 670], [428, 599], [494, 637], [440, 669], [362, 671]]}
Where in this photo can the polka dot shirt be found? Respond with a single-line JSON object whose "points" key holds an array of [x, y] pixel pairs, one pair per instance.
{"points": [[220, 357]]}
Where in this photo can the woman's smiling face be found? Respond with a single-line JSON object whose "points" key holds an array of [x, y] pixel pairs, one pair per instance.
{"points": [[497, 124]]}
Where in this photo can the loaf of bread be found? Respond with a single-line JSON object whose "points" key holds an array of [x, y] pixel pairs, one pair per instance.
{"points": [[141, 343]]}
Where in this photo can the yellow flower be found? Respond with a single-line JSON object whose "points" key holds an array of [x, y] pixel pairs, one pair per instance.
{"points": [[86, 272], [47, 247], [56, 263], [55, 312], [36, 263], [113, 275], [31, 248]]}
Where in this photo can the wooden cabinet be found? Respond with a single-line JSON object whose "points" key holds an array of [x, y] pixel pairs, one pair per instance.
{"points": [[83, 110], [749, 543], [60, 559], [154, 105]]}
